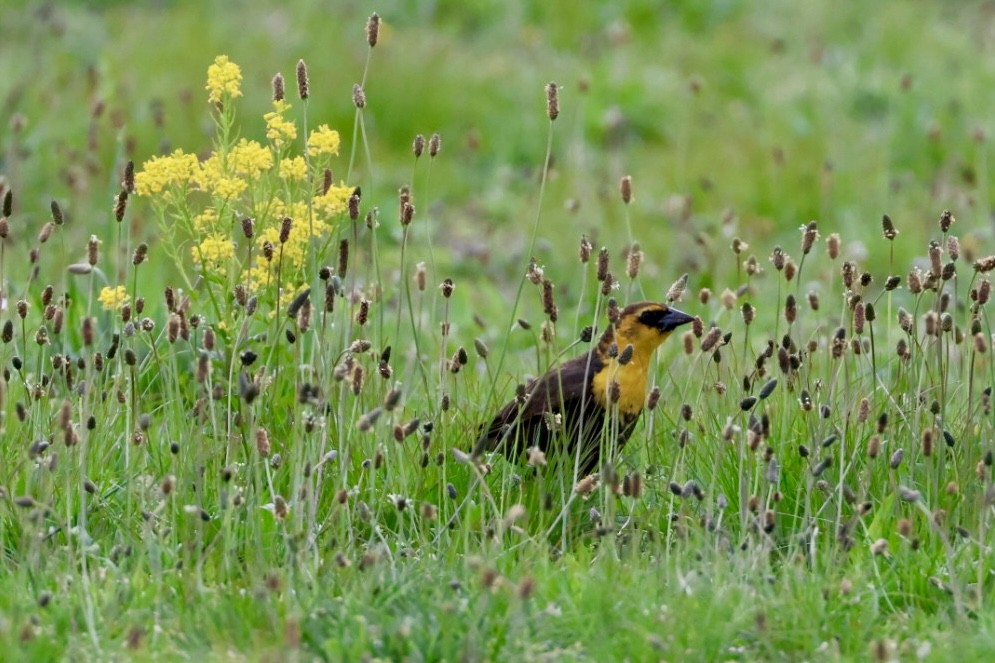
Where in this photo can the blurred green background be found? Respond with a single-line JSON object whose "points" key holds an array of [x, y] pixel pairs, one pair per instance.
{"points": [[734, 118]]}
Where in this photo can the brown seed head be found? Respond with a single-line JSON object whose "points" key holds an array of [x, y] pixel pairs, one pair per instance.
{"points": [[285, 227], [859, 318], [711, 339], [45, 232], [677, 288], [128, 181], [434, 144], [833, 246], [120, 205], [810, 234], [140, 255], [373, 29], [363, 314], [935, 264], [888, 228], [354, 204], [946, 220], [552, 101], [358, 96], [57, 216], [953, 247], [418, 145], [548, 304], [93, 250], [279, 93], [303, 85], [790, 309], [790, 269], [602, 273], [635, 258], [585, 249], [749, 313], [625, 188], [848, 272], [985, 264], [248, 227]]}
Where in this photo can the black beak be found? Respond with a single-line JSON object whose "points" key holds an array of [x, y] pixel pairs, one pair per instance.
{"points": [[673, 319]]}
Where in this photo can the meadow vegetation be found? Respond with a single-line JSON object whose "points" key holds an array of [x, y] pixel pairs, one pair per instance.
{"points": [[251, 324]]}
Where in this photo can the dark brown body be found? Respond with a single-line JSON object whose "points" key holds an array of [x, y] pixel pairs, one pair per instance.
{"points": [[567, 392]]}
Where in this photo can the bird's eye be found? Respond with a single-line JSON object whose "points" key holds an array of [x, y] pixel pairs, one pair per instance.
{"points": [[652, 317]]}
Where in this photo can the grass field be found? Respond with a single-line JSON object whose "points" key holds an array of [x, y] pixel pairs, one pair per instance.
{"points": [[240, 384]]}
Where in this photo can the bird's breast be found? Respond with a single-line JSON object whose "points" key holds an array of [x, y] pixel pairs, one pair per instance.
{"points": [[631, 380]]}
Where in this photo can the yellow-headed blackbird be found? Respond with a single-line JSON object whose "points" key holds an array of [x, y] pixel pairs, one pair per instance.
{"points": [[568, 404]]}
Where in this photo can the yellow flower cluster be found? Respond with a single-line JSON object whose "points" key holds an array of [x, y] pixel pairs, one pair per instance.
{"points": [[113, 298], [295, 249], [293, 168], [229, 176], [334, 201], [206, 220], [245, 178], [213, 252], [279, 130], [323, 141], [224, 78], [250, 159], [160, 173]]}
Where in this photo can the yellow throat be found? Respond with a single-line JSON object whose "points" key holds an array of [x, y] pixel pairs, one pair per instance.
{"points": [[632, 376]]}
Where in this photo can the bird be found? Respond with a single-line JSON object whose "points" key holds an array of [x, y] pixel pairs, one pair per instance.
{"points": [[565, 410]]}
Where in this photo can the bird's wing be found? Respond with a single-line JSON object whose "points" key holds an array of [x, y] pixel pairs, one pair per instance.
{"points": [[560, 390]]}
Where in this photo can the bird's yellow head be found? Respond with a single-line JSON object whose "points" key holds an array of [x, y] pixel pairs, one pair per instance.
{"points": [[644, 326], [647, 324]]}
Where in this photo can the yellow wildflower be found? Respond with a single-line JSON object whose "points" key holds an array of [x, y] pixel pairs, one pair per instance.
{"points": [[213, 252], [259, 276], [294, 168], [323, 141], [334, 201], [159, 173], [250, 159], [113, 298], [224, 78], [296, 210], [215, 179], [295, 250], [278, 129], [206, 220], [229, 187]]}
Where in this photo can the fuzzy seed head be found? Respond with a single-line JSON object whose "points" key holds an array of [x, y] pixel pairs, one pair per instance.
{"points": [[676, 291], [625, 188], [585, 249], [358, 96], [552, 101], [833, 246], [810, 234], [303, 85], [946, 220], [888, 228], [635, 258], [373, 29]]}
